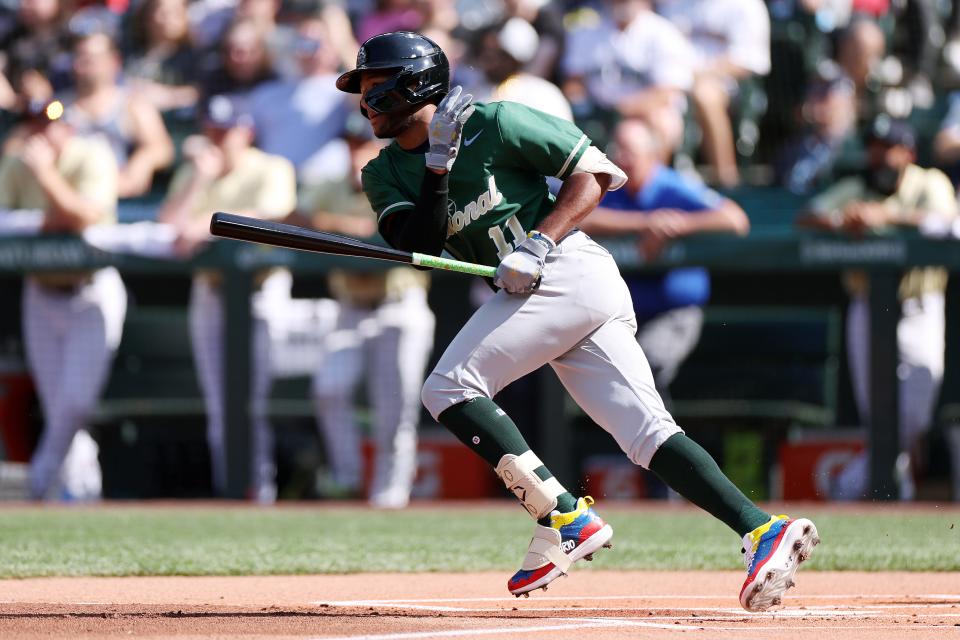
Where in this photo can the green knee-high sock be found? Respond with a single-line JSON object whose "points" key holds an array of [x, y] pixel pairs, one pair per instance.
{"points": [[690, 471], [487, 429]]}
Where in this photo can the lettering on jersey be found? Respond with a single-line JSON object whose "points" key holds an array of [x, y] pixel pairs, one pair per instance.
{"points": [[483, 204]]}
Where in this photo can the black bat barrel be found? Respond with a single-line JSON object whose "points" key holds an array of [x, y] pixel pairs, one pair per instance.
{"points": [[278, 234]]}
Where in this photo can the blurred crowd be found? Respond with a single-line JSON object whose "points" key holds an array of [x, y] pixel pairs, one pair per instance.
{"points": [[169, 110], [783, 89]]}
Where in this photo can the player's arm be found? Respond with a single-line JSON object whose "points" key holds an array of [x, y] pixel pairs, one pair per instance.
{"points": [[419, 226], [72, 207], [424, 228], [579, 195], [542, 145]]}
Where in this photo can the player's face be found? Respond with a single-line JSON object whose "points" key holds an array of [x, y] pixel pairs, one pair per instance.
{"points": [[385, 125]]}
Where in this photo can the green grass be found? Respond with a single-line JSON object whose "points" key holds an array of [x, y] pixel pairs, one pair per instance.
{"points": [[235, 541]]}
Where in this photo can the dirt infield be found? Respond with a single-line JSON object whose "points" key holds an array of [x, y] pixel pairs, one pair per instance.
{"points": [[604, 604]]}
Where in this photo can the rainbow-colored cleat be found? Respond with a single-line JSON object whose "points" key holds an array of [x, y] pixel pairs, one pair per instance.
{"points": [[570, 537], [772, 554]]}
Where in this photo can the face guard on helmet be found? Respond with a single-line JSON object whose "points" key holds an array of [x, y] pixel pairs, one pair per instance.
{"points": [[421, 73]]}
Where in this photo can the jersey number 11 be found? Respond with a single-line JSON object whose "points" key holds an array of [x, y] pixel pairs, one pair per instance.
{"points": [[496, 234]]}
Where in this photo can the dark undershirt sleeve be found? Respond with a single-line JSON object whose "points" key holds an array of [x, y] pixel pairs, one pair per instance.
{"points": [[424, 228]]}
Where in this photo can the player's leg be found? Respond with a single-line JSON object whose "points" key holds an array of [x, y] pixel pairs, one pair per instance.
{"points": [[92, 327], [206, 337], [44, 319], [333, 386], [398, 356], [608, 375], [269, 306], [920, 340], [851, 481], [508, 337], [263, 469], [667, 340]]}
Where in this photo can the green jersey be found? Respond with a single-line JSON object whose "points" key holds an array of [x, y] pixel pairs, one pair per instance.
{"points": [[497, 187]]}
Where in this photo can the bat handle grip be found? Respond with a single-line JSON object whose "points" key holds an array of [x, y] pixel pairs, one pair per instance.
{"points": [[436, 262]]}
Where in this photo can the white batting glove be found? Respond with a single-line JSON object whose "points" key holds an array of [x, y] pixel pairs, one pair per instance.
{"points": [[445, 129], [520, 271]]}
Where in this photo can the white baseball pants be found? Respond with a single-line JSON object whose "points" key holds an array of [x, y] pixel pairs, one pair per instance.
{"points": [[581, 322], [920, 345], [71, 338], [391, 344], [206, 334]]}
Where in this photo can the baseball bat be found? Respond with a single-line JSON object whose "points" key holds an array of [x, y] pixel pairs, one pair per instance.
{"points": [[278, 234]]}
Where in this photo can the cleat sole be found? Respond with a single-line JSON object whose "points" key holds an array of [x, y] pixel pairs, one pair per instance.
{"points": [[777, 573]]}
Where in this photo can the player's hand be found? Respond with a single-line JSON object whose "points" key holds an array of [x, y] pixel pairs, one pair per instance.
{"points": [[445, 129], [520, 271]]}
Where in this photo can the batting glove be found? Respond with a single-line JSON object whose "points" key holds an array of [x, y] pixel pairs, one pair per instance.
{"points": [[520, 271], [445, 129]]}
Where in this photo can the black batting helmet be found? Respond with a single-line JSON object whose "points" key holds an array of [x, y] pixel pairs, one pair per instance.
{"points": [[421, 71]]}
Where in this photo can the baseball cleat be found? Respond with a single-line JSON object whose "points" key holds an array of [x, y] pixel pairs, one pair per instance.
{"points": [[570, 537], [772, 554]]}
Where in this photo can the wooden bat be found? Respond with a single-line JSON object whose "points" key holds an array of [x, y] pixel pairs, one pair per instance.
{"points": [[277, 234]]}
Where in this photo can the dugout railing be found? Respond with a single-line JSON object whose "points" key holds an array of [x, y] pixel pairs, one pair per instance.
{"points": [[767, 250]]}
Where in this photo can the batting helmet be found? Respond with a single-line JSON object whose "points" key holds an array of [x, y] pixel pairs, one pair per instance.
{"points": [[420, 69]]}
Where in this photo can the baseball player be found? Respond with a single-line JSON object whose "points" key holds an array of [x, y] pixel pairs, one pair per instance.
{"points": [[471, 179], [384, 332], [72, 321], [226, 173]]}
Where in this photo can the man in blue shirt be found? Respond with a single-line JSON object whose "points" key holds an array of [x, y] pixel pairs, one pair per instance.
{"points": [[659, 205]]}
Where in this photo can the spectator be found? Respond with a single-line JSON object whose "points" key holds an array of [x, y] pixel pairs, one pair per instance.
{"points": [[892, 192], [917, 41], [829, 115], [242, 63], [547, 20], [385, 329], [659, 205], [633, 62], [946, 144], [34, 62], [390, 15], [72, 321], [131, 125], [341, 32], [731, 41], [503, 51], [302, 119], [161, 69], [437, 15], [210, 20], [225, 173], [860, 50]]}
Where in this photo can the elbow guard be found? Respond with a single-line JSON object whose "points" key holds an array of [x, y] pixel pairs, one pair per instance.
{"points": [[595, 161]]}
